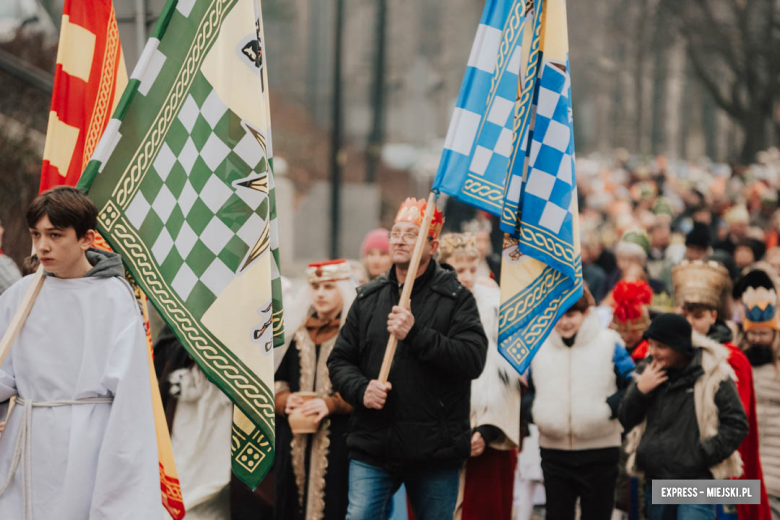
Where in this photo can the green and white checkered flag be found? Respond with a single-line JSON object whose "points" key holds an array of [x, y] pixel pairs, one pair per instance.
{"points": [[184, 184]]}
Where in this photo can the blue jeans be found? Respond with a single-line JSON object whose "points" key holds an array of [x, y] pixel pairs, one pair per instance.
{"points": [[432, 493], [677, 511]]}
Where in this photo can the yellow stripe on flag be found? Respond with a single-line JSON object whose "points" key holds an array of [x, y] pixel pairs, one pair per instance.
{"points": [[61, 140], [169, 479], [72, 36]]}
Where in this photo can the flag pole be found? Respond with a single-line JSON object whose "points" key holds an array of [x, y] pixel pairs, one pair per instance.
{"points": [[17, 322], [411, 275]]}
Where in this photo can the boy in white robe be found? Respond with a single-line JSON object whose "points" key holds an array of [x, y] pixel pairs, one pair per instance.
{"points": [[80, 443]]}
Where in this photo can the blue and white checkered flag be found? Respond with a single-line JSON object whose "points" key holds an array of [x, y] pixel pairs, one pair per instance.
{"points": [[531, 184], [479, 141]]}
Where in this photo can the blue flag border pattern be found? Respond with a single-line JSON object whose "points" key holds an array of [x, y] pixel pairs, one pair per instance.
{"points": [[520, 342], [526, 99]]}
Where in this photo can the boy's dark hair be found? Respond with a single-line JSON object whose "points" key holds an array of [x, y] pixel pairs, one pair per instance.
{"points": [[585, 301], [692, 308], [66, 207]]}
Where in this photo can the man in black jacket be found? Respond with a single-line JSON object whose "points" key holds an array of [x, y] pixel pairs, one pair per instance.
{"points": [[415, 428], [684, 414]]}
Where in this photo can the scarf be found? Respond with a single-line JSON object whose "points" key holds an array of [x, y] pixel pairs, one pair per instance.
{"points": [[320, 330], [759, 355]]}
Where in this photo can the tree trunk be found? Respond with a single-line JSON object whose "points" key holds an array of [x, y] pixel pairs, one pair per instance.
{"points": [[639, 75], [661, 59], [674, 102], [754, 128], [709, 124]]}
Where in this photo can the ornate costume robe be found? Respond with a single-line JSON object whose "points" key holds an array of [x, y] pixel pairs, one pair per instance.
{"points": [[311, 469]]}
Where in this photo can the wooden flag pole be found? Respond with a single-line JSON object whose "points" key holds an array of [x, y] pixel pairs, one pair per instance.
{"points": [[17, 322], [411, 276]]}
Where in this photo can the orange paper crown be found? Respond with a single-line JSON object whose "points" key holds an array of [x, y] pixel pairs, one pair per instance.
{"points": [[413, 211]]}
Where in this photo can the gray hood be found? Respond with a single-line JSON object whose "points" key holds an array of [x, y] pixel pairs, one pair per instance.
{"points": [[104, 264]]}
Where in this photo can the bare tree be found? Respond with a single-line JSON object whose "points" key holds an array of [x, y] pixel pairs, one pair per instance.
{"points": [[24, 110], [734, 51], [19, 171]]}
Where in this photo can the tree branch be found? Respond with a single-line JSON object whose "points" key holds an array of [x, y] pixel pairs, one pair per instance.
{"points": [[732, 108], [773, 53], [716, 28]]}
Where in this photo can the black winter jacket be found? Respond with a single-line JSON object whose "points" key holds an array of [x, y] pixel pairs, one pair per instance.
{"points": [[425, 420], [670, 447]]}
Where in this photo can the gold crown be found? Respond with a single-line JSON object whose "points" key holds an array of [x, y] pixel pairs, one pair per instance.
{"points": [[699, 282], [413, 211], [453, 243], [662, 303], [760, 306], [640, 323], [331, 271]]}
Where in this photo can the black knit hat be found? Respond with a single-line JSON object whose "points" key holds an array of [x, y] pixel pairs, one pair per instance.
{"points": [[755, 278], [699, 236], [672, 330], [757, 246]]}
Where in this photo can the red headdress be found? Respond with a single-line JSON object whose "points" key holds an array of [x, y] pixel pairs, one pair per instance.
{"points": [[631, 301]]}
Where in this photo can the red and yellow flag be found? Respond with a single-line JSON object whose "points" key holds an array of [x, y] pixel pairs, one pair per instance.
{"points": [[88, 83]]}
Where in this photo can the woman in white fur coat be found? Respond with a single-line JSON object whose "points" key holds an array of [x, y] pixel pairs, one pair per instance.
{"points": [[576, 382]]}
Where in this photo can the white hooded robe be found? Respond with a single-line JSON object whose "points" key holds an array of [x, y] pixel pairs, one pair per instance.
{"points": [[83, 339]]}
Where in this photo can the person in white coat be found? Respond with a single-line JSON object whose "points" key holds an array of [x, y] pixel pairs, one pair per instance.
{"points": [[575, 386], [200, 416], [487, 480], [80, 442]]}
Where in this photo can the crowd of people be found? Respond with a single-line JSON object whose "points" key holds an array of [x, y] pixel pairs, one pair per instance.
{"points": [[666, 368]]}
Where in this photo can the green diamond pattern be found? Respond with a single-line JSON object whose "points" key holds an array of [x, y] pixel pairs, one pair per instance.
{"points": [[212, 222]]}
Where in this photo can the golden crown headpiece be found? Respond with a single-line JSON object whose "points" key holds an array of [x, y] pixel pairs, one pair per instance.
{"points": [[699, 282], [455, 243], [662, 303], [413, 211], [331, 271]]}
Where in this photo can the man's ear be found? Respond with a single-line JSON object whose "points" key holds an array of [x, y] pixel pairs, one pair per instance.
{"points": [[434, 246], [88, 239]]}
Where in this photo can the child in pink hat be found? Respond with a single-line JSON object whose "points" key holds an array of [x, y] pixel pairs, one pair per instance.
{"points": [[375, 253]]}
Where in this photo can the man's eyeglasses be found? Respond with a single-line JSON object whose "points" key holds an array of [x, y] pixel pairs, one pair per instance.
{"points": [[407, 236]]}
